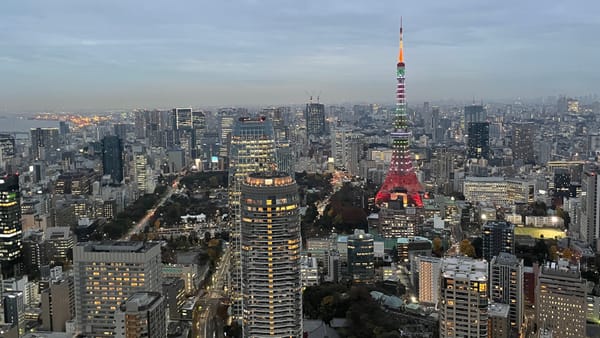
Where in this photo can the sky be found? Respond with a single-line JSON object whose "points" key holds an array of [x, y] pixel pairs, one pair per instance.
{"points": [[69, 55]]}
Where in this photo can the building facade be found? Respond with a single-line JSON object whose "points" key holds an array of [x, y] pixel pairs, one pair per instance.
{"points": [[270, 256], [106, 274], [361, 257], [498, 236], [142, 315], [506, 286], [11, 234]]}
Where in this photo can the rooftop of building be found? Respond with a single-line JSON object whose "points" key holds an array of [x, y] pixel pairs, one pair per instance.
{"points": [[41, 334], [562, 268], [499, 224], [415, 239], [53, 233], [140, 301], [498, 310], [467, 268], [118, 246], [505, 258]]}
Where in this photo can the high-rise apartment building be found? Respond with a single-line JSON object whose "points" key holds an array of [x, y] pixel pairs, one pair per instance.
{"points": [[252, 150], [523, 135], [7, 152], [498, 236], [429, 269], [315, 119], [58, 304], [11, 234], [561, 300], [44, 142], [506, 286], [463, 305], [270, 255], [361, 257], [106, 274], [589, 213], [112, 158], [142, 315]]}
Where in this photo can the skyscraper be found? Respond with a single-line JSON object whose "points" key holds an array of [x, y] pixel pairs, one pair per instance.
{"points": [[522, 142], [106, 274], [464, 298], [506, 286], [361, 257], [182, 118], [478, 141], [429, 279], [498, 236], [561, 300], [315, 119], [475, 113], [11, 235], [401, 176], [252, 150], [112, 158], [7, 152], [589, 213], [44, 142], [270, 242]]}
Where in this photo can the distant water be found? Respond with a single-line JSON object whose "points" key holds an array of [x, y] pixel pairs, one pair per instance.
{"points": [[22, 124]]}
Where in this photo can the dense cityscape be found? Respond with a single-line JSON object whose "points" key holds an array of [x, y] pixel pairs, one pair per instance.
{"points": [[316, 220]]}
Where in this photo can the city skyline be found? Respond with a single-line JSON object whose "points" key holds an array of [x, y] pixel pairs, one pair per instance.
{"points": [[70, 56]]}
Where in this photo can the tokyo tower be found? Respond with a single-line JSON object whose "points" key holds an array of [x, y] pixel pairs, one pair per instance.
{"points": [[401, 180]]}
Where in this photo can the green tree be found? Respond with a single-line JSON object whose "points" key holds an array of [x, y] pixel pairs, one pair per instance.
{"points": [[466, 248]]}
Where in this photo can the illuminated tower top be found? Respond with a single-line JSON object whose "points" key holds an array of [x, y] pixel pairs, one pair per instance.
{"points": [[401, 51]]}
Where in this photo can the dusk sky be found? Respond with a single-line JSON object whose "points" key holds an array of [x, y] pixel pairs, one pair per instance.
{"points": [[69, 55]]}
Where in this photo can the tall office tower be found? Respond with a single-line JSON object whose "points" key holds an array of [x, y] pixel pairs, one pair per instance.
{"points": [[315, 119], [106, 274], [140, 123], [182, 118], [142, 315], [112, 158], [285, 157], [270, 238], [44, 142], [361, 257], [522, 142], [11, 235], [121, 130], [506, 286], [478, 140], [141, 177], [463, 298], [7, 152], [475, 113], [429, 279], [589, 213], [14, 309], [562, 183], [561, 300], [401, 176], [252, 150], [498, 236], [199, 130], [227, 118]]}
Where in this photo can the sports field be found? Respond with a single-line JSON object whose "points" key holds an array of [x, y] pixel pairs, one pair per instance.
{"points": [[548, 233]]}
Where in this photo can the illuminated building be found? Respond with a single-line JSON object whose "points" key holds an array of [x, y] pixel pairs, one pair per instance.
{"points": [[142, 315], [106, 274], [7, 152], [315, 119], [572, 106], [401, 176], [14, 309], [270, 255], [498, 236], [429, 279], [252, 150], [141, 178], [523, 134], [463, 305], [506, 286], [309, 270], [498, 191], [478, 140], [361, 257], [561, 300], [11, 235], [112, 158], [227, 119]]}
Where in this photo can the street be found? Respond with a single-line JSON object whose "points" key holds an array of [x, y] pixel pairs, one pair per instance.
{"points": [[208, 324]]}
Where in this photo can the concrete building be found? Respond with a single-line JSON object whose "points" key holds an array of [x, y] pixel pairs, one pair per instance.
{"points": [[11, 233], [309, 270], [142, 315], [173, 289], [589, 213], [106, 274], [498, 236], [561, 300], [463, 305], [498, 322], [361, 257], [498, 191], [58, 304], [270, 256], [506, 286], [429, 279]]}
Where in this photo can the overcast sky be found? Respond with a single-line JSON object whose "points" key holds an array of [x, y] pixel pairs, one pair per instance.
{"points": [[105, 54]]}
